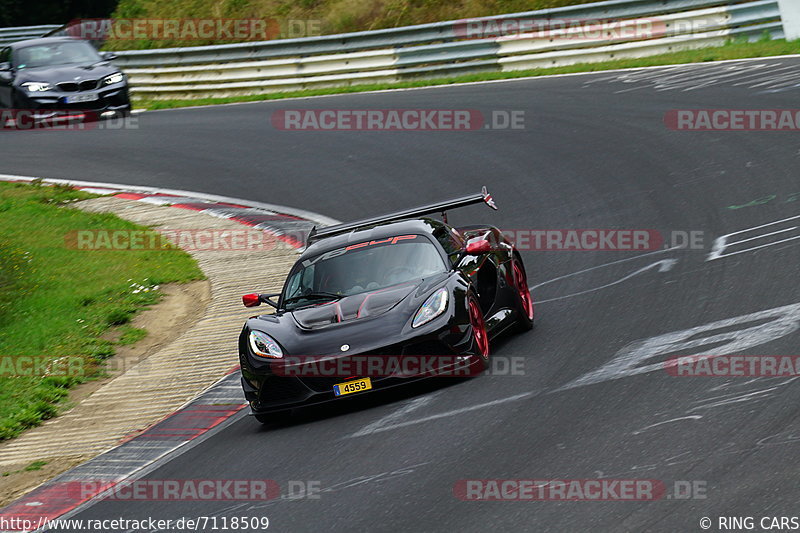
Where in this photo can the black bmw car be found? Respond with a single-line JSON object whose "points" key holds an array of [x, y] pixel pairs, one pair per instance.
{"points": [[63, 75], [381, 302]]}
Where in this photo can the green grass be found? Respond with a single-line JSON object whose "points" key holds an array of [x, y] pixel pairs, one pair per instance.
{"points": [[56, 301], [131, 335], [731, 50], [33, 467], [36, 465], [321, 17]]}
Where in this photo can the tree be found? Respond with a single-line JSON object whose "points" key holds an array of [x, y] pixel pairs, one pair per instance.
{"points": [[36, 12]]}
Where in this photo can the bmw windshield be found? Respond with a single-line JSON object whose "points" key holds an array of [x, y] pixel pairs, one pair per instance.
{"points": [[57, 53], [362, 267]]}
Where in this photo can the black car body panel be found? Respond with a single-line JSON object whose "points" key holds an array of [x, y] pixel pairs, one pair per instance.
{"points": [[81, 85], [377, 321]]}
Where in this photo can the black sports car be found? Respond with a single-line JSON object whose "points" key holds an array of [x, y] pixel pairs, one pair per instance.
{"points": [[367, 298], [61, 75]]}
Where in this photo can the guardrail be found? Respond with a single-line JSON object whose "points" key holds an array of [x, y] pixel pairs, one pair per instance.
{"points": [[562, 36], [12, 35], [790, 13]]}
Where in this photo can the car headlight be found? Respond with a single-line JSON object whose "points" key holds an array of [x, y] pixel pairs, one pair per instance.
{"points": [[113, 78], [434, 306], [37, 86], [264, 345]]}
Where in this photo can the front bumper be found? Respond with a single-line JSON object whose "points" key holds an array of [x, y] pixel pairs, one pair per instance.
{"points": [[112, 98], [266, 390]]}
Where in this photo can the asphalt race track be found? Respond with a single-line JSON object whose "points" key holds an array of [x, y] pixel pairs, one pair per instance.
{"points": [[595, 400]]}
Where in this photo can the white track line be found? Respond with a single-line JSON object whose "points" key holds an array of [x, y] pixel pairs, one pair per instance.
{"points": [[438, 416]]}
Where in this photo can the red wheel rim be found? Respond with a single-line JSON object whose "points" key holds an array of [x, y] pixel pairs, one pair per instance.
{"points": [[479, 328], [524, 291]]}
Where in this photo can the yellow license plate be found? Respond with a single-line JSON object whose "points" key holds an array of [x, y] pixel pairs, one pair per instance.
{"points": [[349, 387]]}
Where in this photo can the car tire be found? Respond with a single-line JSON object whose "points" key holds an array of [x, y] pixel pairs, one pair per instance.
{"points": [[14, 105], [480, 337], [525, 308], [17, 101]]}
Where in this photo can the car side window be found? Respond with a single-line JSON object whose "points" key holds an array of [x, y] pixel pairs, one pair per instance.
{"points": [[5, 55], [308, 278], [301, 281], [13, 58], [450, 241]]}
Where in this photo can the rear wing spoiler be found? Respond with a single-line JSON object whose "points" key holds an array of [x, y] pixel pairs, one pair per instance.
{"points": [[440, 207]]}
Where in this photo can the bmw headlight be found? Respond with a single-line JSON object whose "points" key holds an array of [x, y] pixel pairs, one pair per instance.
{"points": [[264, 345], [37, 86], [113, 78], [434, 306]]}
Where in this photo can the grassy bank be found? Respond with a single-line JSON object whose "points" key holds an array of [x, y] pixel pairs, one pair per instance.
{"points": [[732, 50], [318, 17], [59, 302]]}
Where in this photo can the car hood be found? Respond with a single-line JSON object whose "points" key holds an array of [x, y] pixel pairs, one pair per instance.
{"points": [[65, 73], [355, 307]]}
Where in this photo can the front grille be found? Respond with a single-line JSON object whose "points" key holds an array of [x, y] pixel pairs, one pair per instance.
{"points": [[68, 87], [325, 384], [322, 384], [73, 87], [97, 105], [276, 390]]}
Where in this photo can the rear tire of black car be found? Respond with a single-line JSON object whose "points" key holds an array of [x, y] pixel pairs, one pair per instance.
{"points": [[525, 311], [276, 417]]}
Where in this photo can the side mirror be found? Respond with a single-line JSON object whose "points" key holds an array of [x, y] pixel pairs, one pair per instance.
{"points": [[479, 247], [5, 67], [108, 56], [254, 300]]}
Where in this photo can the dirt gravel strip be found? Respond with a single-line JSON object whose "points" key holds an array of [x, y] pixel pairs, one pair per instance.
{"points": [[157, 386]]}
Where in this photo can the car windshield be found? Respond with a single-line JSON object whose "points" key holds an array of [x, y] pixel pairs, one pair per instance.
{"points": [[362, 267], [59, 53]]}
